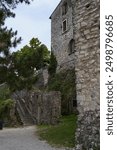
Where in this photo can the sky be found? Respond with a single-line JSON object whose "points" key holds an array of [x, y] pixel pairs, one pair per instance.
{"points": [[33, 21]]}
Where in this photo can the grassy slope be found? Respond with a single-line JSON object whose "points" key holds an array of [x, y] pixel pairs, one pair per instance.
{"points": [[61, 135]]}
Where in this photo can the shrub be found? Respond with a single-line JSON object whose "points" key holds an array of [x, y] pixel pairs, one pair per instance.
{"points": [[53, 65], [5, 102], [4, 92], [65, 83], [5, 107]]}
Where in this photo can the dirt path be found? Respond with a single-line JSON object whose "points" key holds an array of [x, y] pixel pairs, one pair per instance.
{"points": [[22, 139]]}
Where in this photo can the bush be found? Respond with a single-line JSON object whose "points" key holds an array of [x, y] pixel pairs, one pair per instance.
{"points": [[53, 65], [65, 83], [5, 102], [5, 107], [4, 92]]}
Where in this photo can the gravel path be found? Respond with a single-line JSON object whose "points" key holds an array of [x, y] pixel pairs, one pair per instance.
{"points": [[22, 139]]}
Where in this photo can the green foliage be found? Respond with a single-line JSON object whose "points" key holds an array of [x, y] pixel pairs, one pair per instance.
{"points": [[5, 107], [8, 38], [61, 135], [8, 5], [53, 64], [26, 64], [5, 102], [4, 92], [65, 83]]}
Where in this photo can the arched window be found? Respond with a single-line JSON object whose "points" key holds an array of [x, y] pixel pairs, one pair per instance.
{"points": [[71, 46]]}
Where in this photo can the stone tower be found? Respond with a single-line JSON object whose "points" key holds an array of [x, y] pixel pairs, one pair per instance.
{"points": [[76, 43], [86, 23], [62, 38]]}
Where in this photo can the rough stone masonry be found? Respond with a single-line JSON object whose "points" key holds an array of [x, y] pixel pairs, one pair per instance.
{"points": [[36, 107], [87, 66], [75, 39]]}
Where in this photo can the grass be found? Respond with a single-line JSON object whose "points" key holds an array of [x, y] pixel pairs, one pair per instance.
{"points": [[61, 135]]}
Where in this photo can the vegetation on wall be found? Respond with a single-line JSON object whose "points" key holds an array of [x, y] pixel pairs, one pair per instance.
{"points": [[4, 92], [65, 83]]}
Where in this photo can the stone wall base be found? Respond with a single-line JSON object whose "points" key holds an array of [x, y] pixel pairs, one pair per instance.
{"points": [[88, 131]]}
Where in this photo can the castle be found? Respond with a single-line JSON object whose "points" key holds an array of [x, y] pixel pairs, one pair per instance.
{"points": [[75, 41], [62, 34]]}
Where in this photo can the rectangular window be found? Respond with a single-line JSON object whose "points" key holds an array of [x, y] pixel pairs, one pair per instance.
{"points": [[64, 25]]}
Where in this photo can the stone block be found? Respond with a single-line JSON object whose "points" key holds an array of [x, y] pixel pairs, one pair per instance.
{"points": [[86, 32]]}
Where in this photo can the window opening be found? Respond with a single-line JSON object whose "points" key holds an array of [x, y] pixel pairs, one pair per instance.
{"points": [[64, 25], [71, 46]]}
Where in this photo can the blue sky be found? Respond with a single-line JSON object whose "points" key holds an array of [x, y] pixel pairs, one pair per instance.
{"points": [[33, 21]]}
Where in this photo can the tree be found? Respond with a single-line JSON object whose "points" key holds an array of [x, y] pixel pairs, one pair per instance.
{"points": [[7, 5], [53, 64], [8, 38], [26, 63]]}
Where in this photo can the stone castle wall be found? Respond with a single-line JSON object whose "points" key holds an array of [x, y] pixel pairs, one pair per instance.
{"points": [[84, 27], [35, 107], [59, 39], [48, 107], [87, 66]]}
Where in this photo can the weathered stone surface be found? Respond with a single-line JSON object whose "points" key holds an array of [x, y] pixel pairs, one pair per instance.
{"points": [[59, 39], [47, 108], [88, 131], [38, 107], [84, 28], [87, 74]]}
